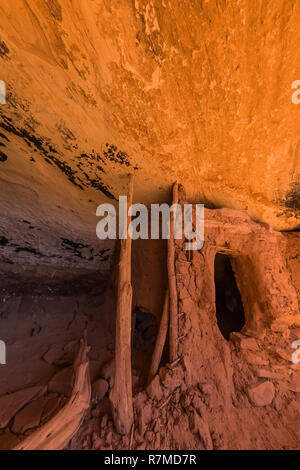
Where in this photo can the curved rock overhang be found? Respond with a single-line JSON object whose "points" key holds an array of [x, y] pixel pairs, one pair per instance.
{"points": [[196, 92]]}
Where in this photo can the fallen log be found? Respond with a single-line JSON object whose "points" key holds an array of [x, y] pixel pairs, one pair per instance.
{"points": [[57, 433]]}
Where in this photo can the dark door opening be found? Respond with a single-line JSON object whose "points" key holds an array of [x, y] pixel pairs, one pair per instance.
{"points": [[229, 307], [144, 333]]}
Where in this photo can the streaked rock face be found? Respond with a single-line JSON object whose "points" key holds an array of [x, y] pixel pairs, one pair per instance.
{"points": [[194, 91]]}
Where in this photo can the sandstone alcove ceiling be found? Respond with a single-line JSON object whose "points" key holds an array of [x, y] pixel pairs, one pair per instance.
{"points": [[193, 91], [145, 345]]}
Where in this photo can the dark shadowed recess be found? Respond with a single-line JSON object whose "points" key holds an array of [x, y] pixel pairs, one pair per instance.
{"points": [[229, 307], [16, 280]]}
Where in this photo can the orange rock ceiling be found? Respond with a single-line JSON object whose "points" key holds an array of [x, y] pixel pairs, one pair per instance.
{"points": [[194, 91]]}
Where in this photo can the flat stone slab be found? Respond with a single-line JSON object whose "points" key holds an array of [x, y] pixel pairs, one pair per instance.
{"points": [[10, 404], [8, 441], [244, 342], [30, 416]]}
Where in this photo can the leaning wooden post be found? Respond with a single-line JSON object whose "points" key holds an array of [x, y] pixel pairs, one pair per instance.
{"points": [[173, 334], [121, 393], [161, 339]]}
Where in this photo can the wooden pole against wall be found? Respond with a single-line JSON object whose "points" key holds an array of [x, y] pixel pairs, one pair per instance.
{"points": [[161, 339], [121, 393], [172, 283]]}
